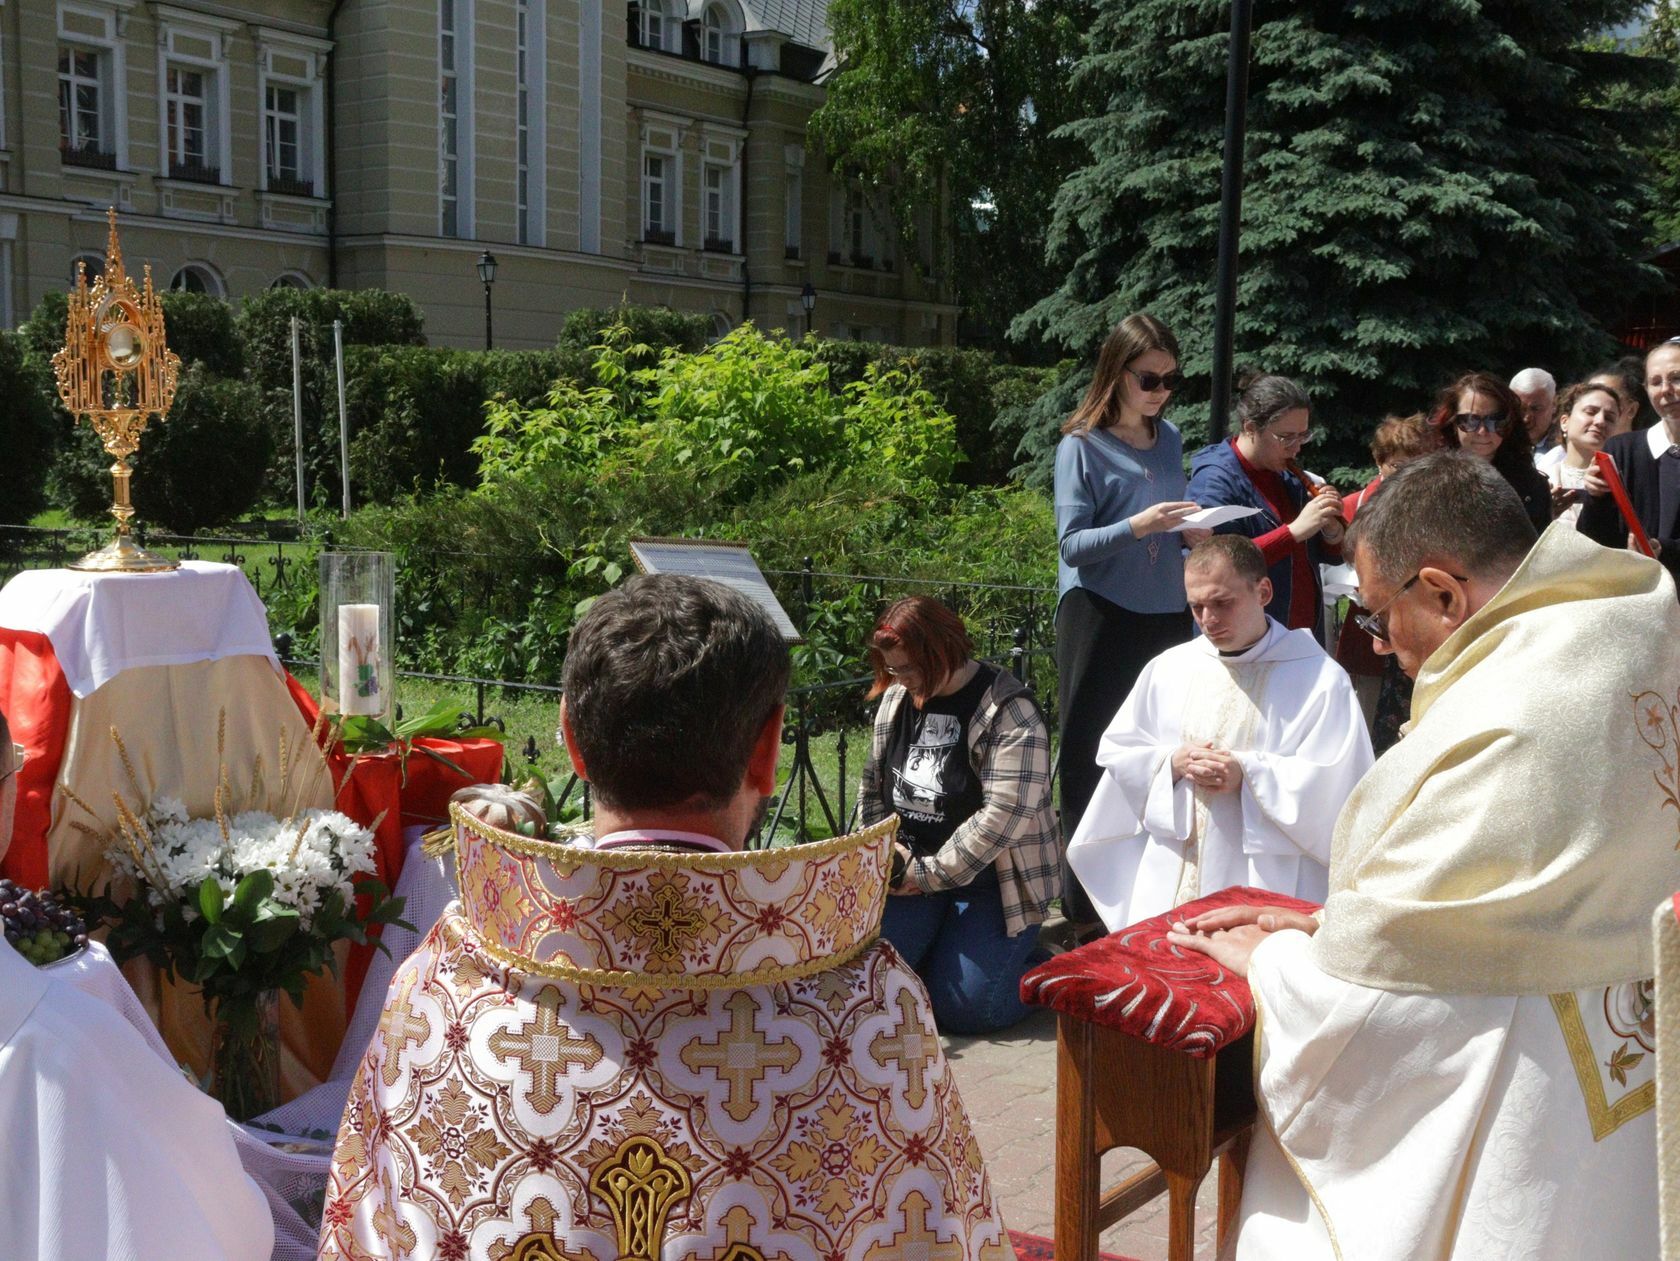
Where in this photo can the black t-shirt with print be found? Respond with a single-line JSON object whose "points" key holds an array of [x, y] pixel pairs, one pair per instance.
{"points": [[927, 777]]}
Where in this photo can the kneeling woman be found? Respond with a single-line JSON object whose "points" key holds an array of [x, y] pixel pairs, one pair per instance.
{"points": [[961, 753]]}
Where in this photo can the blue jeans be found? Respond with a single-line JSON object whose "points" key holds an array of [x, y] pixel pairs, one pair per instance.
{"points": [[955, 940]]}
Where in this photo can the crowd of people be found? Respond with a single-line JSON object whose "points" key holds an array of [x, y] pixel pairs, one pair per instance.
{"points": [[1467, 1020]]}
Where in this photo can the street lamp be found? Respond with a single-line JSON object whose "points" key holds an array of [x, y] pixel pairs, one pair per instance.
{"points": [[487, 273], [808, 300]]}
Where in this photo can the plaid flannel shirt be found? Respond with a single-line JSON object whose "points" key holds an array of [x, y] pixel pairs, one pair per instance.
{"points": [[1015, 827]]}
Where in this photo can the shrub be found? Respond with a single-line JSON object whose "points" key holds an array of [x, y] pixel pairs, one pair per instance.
{"points": [[415, 411], [28, 431], [656, 328], [200, 329], [202, 466]]}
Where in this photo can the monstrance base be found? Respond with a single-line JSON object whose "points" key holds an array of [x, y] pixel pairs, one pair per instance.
{"points": [[124, 556]]}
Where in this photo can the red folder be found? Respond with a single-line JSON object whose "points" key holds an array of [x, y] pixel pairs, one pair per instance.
{"points": [[1607, 469]]}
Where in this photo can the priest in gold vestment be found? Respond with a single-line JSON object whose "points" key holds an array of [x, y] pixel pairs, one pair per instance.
{"points": [[653, 1043], [1454, 1060]]}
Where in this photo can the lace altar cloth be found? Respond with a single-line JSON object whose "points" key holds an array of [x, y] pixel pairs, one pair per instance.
{"points": [[1135, 981]]}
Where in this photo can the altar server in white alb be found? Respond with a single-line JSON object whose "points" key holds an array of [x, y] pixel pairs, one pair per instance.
{"points": [[1457, 1063], [1229, 761]]}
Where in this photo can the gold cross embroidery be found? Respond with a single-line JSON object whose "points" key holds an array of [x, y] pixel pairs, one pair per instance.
{"points": [[388, 1226], [667, 921], [917, 1242], [910, 1046], [401, 1027], [741, 1055], [546, 1048], [641, 1185]]}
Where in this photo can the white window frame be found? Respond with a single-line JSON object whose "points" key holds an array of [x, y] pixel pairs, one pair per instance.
{"points": [[720, 156], [85, 256], [208, 276], [297, 63], [530, 116], [111, 19], [669, 37], [461, 69], [291, 280], [720, 34], [5, 296], [664, 141], [793, 205], [178, 31]]}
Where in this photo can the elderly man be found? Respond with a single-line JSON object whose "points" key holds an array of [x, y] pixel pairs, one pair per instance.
{"points": [[110, 1152], [1456, 1061], [1230, 759], [648, 1043], [1537, 391]]}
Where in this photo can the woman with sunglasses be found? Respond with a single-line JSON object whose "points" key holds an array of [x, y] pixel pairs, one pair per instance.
{"points": [[1120, 571], [1298, 523], [1478, 413]]}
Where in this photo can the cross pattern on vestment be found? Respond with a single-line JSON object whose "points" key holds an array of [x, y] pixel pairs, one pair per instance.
{"points": [[737, 1238], [917, 1242], [667, 921], [741, 1055], [545, 1048], [388, 1226], [909, 1046], [401, 1027]]}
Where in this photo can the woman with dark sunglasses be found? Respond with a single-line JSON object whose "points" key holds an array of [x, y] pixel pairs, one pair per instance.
{"points": [[1478, 413], [1120, 571]]}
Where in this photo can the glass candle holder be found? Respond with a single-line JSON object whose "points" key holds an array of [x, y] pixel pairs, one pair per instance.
{"points": [[358, 596]]}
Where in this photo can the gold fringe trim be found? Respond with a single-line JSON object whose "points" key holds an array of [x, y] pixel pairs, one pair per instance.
{"points": [[455, 928], [623, 859]]}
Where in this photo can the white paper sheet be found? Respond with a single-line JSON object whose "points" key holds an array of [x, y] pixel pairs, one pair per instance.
{"points": [[1207, 518]]}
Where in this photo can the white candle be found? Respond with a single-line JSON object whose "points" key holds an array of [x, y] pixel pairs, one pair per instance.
{"points": [[359, 690]]}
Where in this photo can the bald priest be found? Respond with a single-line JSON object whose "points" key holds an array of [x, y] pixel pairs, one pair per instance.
{"points": [[1229, 761], [1456, 1061], [652, 1043]]}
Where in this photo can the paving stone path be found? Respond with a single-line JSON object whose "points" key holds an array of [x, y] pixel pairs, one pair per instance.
{"points": [[1008, 1086]]}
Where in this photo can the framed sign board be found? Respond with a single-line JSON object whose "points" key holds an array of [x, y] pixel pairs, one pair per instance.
{"points": [[729, 563]]}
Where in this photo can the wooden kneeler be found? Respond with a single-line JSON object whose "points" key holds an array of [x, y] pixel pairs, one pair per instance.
{"points": [[1113, 1090], [1154, 1050]]}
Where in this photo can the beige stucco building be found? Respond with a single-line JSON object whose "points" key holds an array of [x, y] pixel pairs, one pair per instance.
{"points": [[655, 154]]}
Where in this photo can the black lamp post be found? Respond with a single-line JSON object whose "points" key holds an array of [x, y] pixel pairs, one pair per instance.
{"points": [[808, 300], [487, 273]]}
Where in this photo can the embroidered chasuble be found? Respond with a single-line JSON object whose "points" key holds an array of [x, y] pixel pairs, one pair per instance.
{"points": [[1146, 844], [1459, 1063], [642, 1053]]}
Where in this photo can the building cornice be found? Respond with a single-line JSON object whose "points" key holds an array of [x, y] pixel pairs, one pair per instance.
{"points": [[674, 69], [504, 250]]}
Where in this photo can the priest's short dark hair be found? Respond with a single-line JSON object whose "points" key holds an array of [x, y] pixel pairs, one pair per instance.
{"points": [[668, 682], [1450, 508]]}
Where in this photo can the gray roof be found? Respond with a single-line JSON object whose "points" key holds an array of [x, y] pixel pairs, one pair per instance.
{"points": [[803, 21]]}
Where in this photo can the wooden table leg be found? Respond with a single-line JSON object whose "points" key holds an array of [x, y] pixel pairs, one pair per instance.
{"points": [[1077, 1167], [1233, 1162], [1181, 1217]]}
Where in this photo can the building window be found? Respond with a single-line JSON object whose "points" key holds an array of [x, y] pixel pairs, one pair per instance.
{"points": [[455, 41], [290, 70], [654, 26], [529, 133], [90, 265], [793, 206], [198, 278], [291, 280], [720, 36], [658, 221], [719, 208], [186, 116], [83, 125]]}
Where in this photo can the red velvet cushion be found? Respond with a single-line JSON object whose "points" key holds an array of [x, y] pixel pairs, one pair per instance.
{"points": [[1135, 981]]}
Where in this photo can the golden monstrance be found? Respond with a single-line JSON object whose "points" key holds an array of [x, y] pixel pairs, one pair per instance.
{"points": [[118, 372]]}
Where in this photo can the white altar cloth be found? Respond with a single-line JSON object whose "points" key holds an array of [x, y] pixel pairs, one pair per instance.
{"points": [[102, 624]]}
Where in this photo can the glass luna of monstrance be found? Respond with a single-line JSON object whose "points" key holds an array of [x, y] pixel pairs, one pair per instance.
{"points": [[117, 371]]}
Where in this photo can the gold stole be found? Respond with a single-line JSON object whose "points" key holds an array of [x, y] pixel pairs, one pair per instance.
{"points": [[1220, 706]]}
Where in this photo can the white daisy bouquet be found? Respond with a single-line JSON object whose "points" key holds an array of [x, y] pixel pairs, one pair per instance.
{"points": [[243, 904]]}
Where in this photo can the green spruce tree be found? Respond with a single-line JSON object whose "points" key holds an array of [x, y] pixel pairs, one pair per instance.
{"points": [[1431, 186]]}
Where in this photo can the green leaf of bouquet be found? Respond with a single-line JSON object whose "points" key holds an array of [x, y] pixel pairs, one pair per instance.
{"points": [[438, 757], [362, 734], [268, 934], [210, 899], [219, 940], [439, 720], [252, 888]]}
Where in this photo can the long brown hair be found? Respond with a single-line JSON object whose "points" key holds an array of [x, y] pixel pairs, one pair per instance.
{"points": [[1516, 451], [1132, 336]]}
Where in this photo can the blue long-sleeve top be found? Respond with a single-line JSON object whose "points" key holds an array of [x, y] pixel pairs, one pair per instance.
{"points": [[1101, 482]]}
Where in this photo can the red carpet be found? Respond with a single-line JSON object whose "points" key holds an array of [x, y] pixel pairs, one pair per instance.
{"points": [[1038, 1248]]}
